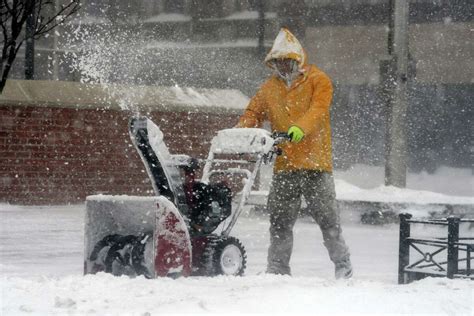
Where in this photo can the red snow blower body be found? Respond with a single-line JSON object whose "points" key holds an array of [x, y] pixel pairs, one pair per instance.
{"points": [[185, 228]]}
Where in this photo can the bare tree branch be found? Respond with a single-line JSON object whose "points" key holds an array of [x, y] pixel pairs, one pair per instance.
{"points": [[4, 32], [9, 9], [13, 17], [60, 17]]}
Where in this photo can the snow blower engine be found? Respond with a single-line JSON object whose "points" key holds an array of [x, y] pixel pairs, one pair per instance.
{"points": [[185, 228]]}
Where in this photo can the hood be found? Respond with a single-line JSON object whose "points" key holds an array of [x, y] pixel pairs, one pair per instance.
{"points": [[286, 45]]}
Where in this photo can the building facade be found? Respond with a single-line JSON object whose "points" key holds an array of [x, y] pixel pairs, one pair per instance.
{"points": [[221, 43]]}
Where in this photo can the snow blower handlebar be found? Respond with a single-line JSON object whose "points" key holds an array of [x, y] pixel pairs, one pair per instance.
{"points": [[280, 137], [269, 151]]}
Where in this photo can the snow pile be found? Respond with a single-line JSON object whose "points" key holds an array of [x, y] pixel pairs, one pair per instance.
{"points": [[168, 17], [365, 183], [446, 180], [120, 198], [160, 44], [249, 15], [347, 191], [230, 99], [107, 295], [388, 194]]}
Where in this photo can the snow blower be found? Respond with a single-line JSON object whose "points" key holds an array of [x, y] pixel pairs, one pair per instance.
{"points": [[185, 228]]}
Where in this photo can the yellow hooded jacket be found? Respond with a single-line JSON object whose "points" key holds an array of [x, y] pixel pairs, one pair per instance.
{"points": [[304, 104]]}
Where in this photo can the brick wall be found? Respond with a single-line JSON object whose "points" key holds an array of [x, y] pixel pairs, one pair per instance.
{"points": [[51, 155]]}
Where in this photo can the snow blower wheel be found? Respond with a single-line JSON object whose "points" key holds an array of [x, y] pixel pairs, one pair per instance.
{"points": [[225, 256]]}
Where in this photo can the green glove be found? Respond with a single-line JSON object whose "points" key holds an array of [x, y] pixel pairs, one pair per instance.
{"points": [[295, 133]]}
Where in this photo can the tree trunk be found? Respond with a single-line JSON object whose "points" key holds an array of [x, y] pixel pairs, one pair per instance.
{"points": [[8, 66]]}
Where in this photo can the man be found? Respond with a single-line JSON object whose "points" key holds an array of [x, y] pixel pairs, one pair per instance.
{"points": [[297, 99]]}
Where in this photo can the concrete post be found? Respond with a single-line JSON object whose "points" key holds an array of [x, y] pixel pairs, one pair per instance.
{"points": [[55, 48], [396, 144], [261, 27]]}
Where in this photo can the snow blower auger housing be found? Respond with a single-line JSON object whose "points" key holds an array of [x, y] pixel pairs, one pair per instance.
{"points": [[185, 229]]}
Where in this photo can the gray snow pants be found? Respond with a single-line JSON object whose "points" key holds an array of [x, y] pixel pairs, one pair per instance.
{"points": [[284, 203]]}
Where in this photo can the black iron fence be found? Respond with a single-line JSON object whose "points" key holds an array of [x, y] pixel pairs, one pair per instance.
{"points": [[440, 256]]}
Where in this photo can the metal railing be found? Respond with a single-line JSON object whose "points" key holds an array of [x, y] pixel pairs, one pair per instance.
{"points": [[432, 250]]}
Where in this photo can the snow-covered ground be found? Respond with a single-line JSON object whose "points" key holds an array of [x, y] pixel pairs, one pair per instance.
{"points": [[41, 264], [41, 274], [391, 194]]}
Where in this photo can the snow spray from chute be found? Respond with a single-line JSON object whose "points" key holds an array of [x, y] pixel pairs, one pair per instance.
{"points": [[124, 62], [108, 57]]}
